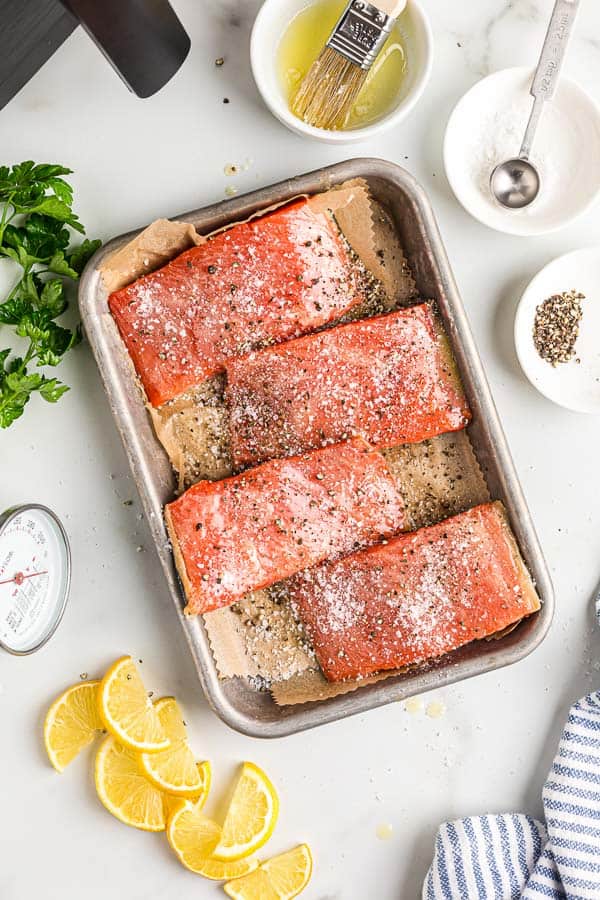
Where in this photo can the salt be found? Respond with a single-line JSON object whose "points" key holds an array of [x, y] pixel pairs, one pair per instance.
{"points": [[487, 128], [497, 137]]}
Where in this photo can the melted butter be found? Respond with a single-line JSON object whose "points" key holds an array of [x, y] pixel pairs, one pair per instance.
{"points": [[384, 831], [306, 36], [413, 705], [435, 709]]}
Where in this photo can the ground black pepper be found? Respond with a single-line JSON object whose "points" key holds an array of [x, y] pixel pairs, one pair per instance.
{"points": [[556, 326]]}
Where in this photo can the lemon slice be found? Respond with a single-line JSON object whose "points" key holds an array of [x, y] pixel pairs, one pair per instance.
{"points": [[125, 791], [173, 770], [205, 776], [71, 723], [251, 816], [191, 834], [279, 878], [173, 802], [225, 871], [127, 710]]}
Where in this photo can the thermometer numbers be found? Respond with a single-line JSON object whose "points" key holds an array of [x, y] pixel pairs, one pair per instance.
{"points": [[27, 598], [34, 576], [37, 533]]}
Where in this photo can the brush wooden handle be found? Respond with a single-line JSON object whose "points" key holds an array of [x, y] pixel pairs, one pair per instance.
{"points": [[392, 8]]}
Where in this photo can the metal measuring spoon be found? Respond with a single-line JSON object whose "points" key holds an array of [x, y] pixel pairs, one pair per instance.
{"points": [[516, 182]]}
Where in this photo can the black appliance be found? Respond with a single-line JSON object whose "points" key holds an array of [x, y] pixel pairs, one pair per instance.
{"points": [[143, 39]]}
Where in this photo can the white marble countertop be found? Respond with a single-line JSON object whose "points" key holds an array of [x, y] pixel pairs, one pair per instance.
{"points": [[135, 160]]}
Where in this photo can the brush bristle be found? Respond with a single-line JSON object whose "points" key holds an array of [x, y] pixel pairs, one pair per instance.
{"points": [[329, 91]]}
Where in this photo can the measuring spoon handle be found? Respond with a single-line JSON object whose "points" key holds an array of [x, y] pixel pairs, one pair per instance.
{"points": [[554, 48], [550, 62]]}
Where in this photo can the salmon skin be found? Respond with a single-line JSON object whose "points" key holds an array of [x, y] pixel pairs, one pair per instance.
{"points": [[263, 281], [415, 598], [251, 530], [390, 379]]}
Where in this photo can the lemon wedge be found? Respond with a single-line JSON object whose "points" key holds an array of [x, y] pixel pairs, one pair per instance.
{"points": [[127, 710], [279, 878], [191, 834], [173, 770], [71, 723], [251, 816], [205, 776], [225, 871], [173, 802], [125, 791]]}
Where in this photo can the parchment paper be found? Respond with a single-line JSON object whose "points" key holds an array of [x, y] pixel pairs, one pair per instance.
{"points": [[258, 636], [152, 248]]}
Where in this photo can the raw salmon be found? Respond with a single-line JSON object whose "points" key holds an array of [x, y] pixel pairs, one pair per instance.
{"points": [[260, 282], [251, 530], [416, 597], [390, 379]]}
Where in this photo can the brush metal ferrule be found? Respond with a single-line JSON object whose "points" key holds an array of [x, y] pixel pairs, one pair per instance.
{"points": [[360, 33]]}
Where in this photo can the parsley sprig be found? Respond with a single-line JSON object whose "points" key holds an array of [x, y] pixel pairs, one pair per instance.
{"points": [[36, 216]]}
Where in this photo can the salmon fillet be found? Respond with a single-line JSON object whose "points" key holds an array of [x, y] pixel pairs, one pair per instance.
{"points": [[260, 282], [416, 597], [249, 531], [390, 379]]}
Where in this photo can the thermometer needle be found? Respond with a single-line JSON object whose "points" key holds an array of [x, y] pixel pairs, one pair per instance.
{"points": [[19, 578]]}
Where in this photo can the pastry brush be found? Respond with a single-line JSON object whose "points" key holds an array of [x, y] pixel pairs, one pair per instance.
{"points": [[332, 84]]}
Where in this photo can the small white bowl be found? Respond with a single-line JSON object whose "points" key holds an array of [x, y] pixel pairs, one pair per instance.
{"points": [[269, 27], [570, 126], [574, 385]]}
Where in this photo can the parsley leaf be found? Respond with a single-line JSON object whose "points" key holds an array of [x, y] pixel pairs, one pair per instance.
{"points": [[79, 257], [36, 218], [29, 188]]}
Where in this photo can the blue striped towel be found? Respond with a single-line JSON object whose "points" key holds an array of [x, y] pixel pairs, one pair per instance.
{"points": [[507, 857]]}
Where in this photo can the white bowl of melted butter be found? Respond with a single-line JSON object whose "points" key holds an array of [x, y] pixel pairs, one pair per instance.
{"points": [[287, 37]]}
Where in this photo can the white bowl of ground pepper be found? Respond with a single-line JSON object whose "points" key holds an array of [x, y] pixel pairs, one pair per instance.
{"points": [[557, 327]]}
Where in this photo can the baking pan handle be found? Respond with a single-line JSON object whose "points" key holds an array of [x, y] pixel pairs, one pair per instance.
{"points": [[143, 39]]}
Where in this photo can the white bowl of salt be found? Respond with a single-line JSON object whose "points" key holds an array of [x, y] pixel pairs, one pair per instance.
{"points": [[486, 127]]}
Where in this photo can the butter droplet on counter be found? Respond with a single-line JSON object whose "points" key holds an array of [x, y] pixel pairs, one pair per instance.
{"points": [[384, 831], [413, 705], [230, 191], [231, 169], [435, 709]]}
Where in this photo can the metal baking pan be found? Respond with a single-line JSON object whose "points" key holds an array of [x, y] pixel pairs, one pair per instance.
{"points": [[235, 700]]}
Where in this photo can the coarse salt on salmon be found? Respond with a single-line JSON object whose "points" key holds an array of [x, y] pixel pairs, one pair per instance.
{"points": [[416, 597], [263, 281], [390, 378], [252, 530]]}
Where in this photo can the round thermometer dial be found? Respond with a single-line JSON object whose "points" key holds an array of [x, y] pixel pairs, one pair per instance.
{"points": [[35, 573]]}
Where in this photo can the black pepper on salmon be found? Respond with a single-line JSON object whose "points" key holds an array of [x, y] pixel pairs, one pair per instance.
{"points": [[390, 379], [261, 282], [252, 530], [416, 596]]}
